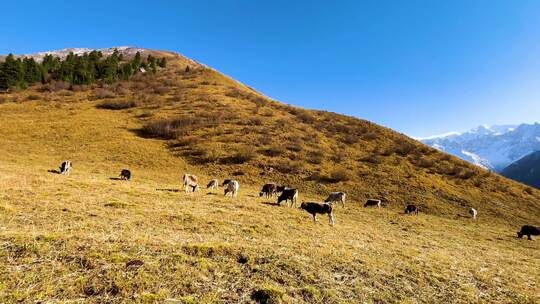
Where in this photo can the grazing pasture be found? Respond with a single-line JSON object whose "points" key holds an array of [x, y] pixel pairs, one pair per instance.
{"points": [[87, 237]]}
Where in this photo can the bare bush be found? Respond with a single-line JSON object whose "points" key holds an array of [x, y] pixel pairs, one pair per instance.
{"points": [[102, 93], [169, 128], [117, 104]]}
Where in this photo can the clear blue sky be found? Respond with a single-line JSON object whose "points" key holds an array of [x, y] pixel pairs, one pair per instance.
{"points": [[420, 67]]}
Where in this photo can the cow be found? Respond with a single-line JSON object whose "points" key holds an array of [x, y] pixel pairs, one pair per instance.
{"points": [[190, 181], [226, 182], [232, 187], [288, 195], [528, 230], [65, 167], [319, 208], [125, 174], [473, 213], [373, 202], [268, 190], [213, 184], [338, 197], [280, 189], [412, 209]]}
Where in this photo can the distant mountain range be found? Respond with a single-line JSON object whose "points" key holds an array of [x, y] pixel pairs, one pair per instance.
{"points": [[491, 147], [525, 170]]}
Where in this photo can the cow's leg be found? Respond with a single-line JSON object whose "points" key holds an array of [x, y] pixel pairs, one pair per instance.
{"points": [[314, 217], [529, 237], [331, 218]]}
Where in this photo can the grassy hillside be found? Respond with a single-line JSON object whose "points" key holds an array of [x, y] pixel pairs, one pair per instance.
{"points": [[69, 238]]}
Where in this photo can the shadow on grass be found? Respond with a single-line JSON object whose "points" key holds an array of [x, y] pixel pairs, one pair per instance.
{"points": [[54, 171], [115, 178], [169, 190], [272, 204]]}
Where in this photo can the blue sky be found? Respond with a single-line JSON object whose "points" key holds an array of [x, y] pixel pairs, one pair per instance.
{"points": [[420, 67]]}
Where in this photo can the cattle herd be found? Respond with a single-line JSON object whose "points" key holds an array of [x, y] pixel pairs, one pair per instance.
{"points": [[290, 197]]}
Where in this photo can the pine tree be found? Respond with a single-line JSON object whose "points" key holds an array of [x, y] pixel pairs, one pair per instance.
{"points": [[13, 72], [162, 62], [151, 63], [136, 63]]}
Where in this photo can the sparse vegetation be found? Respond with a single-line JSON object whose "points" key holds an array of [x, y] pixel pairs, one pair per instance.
{"points": [[89, 238]]}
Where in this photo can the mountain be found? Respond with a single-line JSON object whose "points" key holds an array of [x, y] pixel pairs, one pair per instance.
{"points": [[491, 147], [89, 237], [525, 170]]}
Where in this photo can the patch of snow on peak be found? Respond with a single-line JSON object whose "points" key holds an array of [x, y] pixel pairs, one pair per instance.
{"points": [[477, 160], [438, 136]]}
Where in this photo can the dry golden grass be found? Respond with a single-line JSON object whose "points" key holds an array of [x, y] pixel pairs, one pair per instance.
{"points": [[71, 238]]}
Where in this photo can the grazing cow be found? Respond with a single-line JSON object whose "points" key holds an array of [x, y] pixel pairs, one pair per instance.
{"points": [[213, 184], [288, 195], [125, 174], [336, 197], [268, 190], [65, 167], [373, 202], [473, 213], [412, 209], [280, 189], [190, 181], [528, 230], [319, 208], [232, 187]]}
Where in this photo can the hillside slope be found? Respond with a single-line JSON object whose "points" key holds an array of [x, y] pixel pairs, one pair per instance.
{"points": [[525, 170], [68, 238]]}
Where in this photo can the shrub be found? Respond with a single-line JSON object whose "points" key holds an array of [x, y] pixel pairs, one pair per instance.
{"points": [[161, 90], [303, 115], [101, 93], [370, 136], [117, 104], [351, 139], [169, 128], [315, 157], [403, 148], [338, 175], [33, 97], [286, 166], [372, 159], [80, 88], [240, 157], [294, 147], [273, 151], [423, 162]]}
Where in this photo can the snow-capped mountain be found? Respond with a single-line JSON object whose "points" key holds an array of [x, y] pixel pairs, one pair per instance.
{"points": [[492, 147]]}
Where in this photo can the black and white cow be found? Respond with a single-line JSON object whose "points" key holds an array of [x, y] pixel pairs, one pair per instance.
{"points": [[288, 195], [125, 174], [65, 167]]}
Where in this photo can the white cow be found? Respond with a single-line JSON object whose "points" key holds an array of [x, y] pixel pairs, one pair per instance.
{"points": [[473, 213], [190, 181], [336, 197], [232, 187]]}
